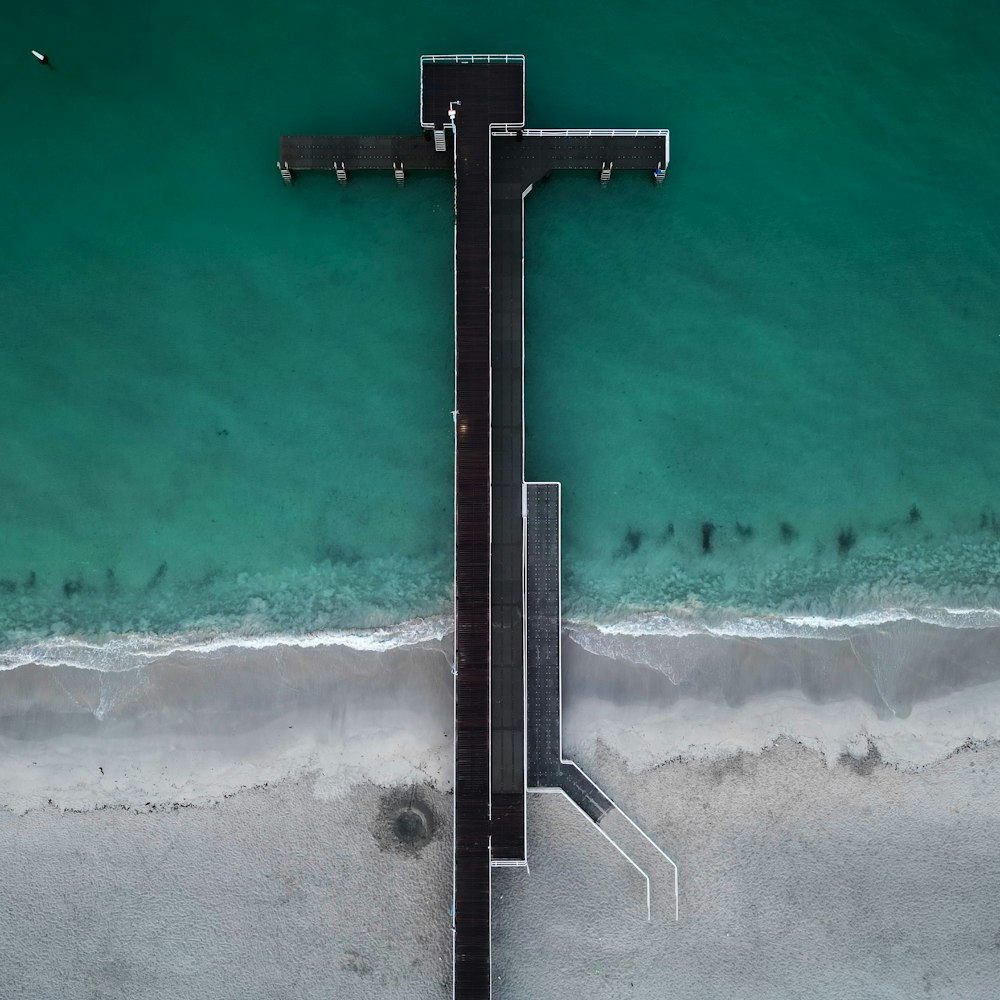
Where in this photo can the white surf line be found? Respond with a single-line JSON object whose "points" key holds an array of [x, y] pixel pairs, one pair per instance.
{"points": [[144, 647]]}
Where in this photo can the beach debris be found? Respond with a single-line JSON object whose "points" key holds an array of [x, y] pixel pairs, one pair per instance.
{"points": [[40, 56]]}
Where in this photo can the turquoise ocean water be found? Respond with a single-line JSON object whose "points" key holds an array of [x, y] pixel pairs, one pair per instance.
{"points": [[225, 405]]}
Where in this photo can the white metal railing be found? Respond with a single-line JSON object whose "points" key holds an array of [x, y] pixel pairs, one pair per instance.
{"points": [[584, 131], [477, 58], [610, 840], [517, 60], [614, 805]]}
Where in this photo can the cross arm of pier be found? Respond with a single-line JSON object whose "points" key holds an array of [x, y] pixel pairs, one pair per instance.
{"points": [[362, 152], [539, 151]]}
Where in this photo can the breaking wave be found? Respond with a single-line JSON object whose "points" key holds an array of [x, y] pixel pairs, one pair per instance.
{"points": [[116, 654], [598, 636]]}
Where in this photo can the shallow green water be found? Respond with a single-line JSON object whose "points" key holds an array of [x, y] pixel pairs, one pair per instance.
{"points": [[227, 402]]}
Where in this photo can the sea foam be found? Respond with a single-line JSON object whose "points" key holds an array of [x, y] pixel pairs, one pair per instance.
{"points": [[119, 653], [685, 621]]}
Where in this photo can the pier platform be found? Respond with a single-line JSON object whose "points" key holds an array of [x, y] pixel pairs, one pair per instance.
{"points": [[507, 710]]}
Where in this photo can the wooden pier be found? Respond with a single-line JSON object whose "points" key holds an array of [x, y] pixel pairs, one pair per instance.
{"points": [[472, 114]]}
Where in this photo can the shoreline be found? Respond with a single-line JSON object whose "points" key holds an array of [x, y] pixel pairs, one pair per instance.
{"points": [[194, 727], [603, 635]]}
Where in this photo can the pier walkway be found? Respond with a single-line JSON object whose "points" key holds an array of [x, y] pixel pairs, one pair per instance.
{"points": [[507, 720]]}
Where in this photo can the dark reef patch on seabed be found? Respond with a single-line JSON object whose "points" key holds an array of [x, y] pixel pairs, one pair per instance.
{"points": [[376, 593], [707, 530], [787, 533], [157, 578], [846, 539], [633, 539]]}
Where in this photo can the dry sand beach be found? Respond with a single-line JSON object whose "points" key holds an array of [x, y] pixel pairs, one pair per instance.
{"points": [[227, 824]]}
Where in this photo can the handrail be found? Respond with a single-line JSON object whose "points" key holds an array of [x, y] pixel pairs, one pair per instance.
{"points": [[582, 131], [639, 829], [498, 57], [611, 841]]}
